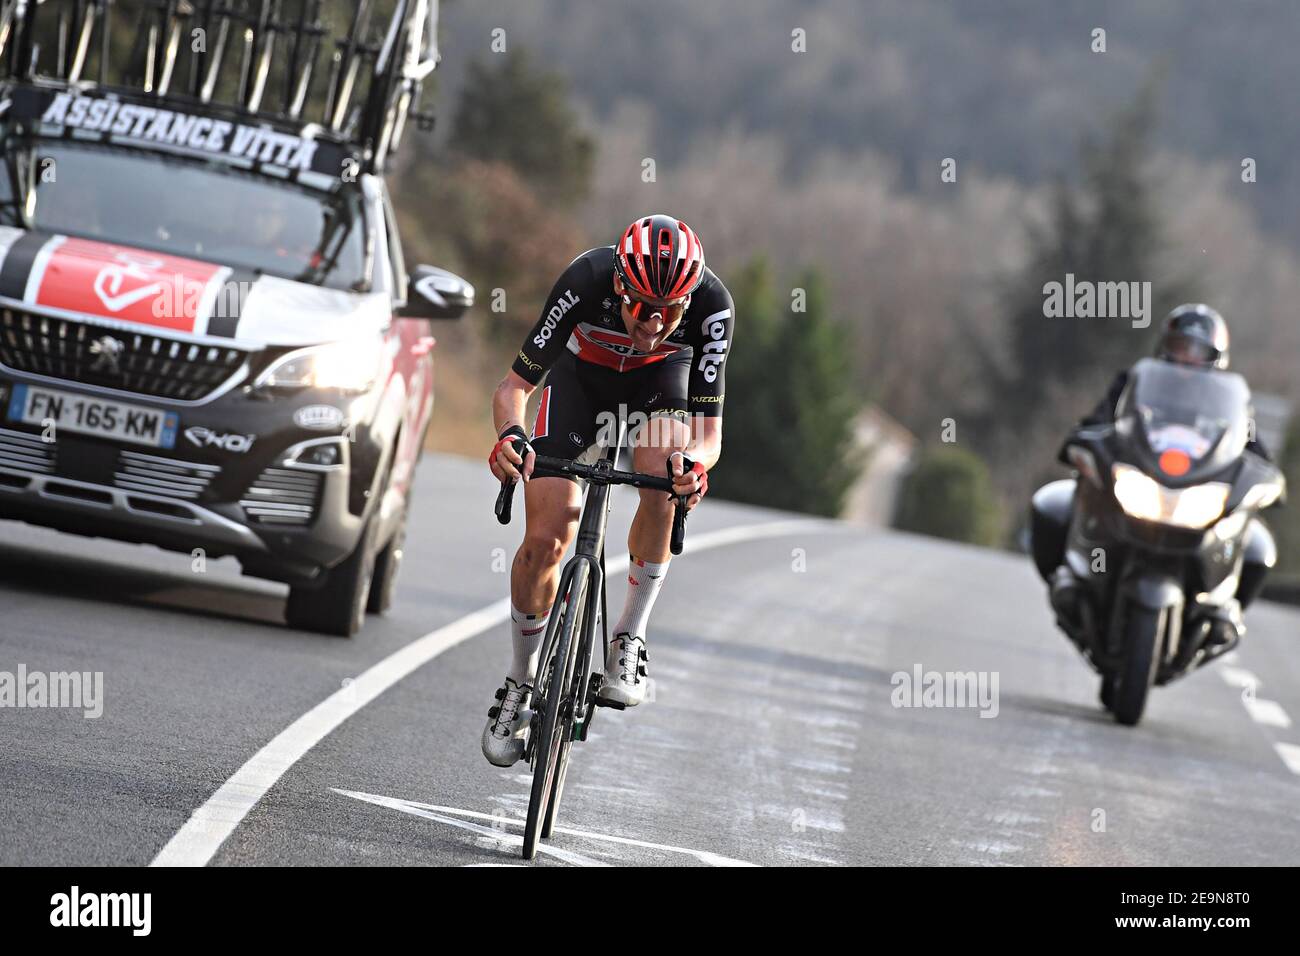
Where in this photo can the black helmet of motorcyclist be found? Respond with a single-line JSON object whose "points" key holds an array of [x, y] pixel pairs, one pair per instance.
{"points": [[1195, 334]]}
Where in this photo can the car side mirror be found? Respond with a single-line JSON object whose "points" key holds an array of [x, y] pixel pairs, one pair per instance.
{"points": [[434, 293]]}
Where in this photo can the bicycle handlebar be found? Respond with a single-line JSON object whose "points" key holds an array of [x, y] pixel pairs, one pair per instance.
{"points": [[546, 467]]}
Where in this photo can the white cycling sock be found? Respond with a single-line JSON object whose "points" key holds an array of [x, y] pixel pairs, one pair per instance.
{"points": [[527, 631], [643, 583]]}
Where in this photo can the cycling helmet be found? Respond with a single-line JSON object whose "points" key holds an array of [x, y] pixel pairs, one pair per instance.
{"points": [[1195, 334], [659, 260]]}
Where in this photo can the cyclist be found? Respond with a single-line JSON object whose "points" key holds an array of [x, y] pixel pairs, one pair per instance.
{"points": [[638, 330]]}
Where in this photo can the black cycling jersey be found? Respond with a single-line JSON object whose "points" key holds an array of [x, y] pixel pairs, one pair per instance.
{"points": [[583, 316]]}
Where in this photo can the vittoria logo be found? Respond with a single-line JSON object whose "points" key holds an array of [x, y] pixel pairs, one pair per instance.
{"points": [[150, 124]]}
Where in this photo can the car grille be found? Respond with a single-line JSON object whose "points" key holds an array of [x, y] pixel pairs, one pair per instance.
{"points": [[165, 477], [129, 361], [25, 452], [284, 496]]}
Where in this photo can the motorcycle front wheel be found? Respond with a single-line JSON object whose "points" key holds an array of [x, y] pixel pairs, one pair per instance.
{"points": [[1143, 637]]}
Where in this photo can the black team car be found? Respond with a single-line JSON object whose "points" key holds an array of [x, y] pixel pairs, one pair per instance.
{"points": [[209, 340]]}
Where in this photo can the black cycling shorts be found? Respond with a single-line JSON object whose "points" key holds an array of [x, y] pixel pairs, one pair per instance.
{"points": [[582, 401]]}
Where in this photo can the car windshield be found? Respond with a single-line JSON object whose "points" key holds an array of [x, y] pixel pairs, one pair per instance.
{"points": [[1201, 412], [193, 208]]}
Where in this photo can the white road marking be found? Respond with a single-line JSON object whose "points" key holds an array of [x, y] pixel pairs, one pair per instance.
{"points": [[197, 842], [493, 832], [434, 812], [1290, 755], [1237, 677], [1268, 712]]}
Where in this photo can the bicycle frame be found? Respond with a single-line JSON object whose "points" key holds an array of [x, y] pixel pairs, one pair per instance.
{"points": [[589, 549]]}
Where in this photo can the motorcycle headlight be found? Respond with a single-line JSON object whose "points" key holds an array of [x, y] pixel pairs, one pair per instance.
{"points": [[1142, 497], [351, 366], [1232, 525], [1261, 496]]}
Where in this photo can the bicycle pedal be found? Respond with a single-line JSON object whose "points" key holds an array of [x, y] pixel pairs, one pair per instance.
{"points": [[612, 704]]}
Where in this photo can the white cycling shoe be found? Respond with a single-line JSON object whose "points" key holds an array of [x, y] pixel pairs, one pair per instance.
{"points": [[625, 673], [503, 737]]}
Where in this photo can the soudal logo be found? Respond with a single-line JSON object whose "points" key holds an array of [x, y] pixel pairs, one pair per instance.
{"points": [[553, 316]]}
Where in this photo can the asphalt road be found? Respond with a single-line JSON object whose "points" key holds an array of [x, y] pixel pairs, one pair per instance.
{"points": [[772, 737]]}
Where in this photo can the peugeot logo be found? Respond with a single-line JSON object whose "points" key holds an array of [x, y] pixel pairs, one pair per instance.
{"points": [[106, 351]]}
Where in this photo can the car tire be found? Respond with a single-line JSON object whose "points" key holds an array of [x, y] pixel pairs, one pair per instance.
{"points": [[338, 605], [388, 562]]}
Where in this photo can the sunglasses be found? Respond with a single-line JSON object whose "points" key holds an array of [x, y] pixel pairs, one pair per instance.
{"points": [[671, 309]]}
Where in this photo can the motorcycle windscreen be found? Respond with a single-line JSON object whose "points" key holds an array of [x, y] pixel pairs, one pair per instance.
{"points": [[1195, 421]]}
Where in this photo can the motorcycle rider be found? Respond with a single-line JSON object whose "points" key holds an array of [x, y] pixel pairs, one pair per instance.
{"points": [[1196, 335]]}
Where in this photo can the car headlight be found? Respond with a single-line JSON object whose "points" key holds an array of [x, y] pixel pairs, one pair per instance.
{"points": [[351, 366], [1142, 497]]}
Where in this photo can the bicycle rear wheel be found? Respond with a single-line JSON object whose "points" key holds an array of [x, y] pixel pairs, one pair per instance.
{"points": [[551, 747]]}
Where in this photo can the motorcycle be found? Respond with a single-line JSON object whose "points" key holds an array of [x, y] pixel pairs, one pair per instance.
{"points": [[1154, 548]]}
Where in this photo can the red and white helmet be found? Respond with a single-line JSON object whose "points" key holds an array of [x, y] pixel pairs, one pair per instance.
{"points": [[660, 259]]}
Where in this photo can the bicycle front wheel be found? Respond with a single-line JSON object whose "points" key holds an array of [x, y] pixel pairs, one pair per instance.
{"points": [[580, 638], [551, 748]]}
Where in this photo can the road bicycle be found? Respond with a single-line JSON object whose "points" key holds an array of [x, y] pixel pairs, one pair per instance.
{"points": [[564, 692]]}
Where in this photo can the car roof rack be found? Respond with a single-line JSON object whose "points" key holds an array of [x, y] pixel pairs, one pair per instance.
{"points": [[346, 71]]}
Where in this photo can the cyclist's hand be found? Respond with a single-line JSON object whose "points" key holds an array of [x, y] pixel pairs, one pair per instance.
{"points": [[512, 456], [689, 478]]}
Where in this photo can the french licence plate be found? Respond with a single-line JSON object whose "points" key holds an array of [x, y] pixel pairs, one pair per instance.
{"points": [[86, 415]]}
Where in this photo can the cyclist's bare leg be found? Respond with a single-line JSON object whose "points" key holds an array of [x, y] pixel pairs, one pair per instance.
{"points": [[552, 507], [648, 544], [653, 443]]}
